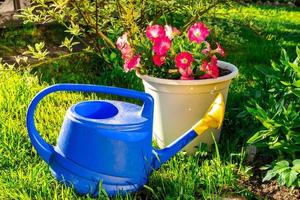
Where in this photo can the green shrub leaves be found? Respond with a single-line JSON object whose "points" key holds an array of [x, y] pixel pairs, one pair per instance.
{"points": [[279, 113]]}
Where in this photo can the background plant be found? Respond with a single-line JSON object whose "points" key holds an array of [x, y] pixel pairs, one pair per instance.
{"points": [[93, 26], [279, 113]]}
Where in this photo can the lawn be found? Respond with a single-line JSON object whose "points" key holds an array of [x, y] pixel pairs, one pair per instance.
{"points": [[251, 35]]}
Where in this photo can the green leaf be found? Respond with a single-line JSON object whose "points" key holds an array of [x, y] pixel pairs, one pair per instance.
{"points": [[297, 83], [296, 92], [259, 113], [285, 83], [296, 162], [280, 169], [296, 68], [268, 71], [265, 167], [282, 163], [298, 52], [292, 177], [283, 177], [258, 136], [277, 145], [270, 174], [296, 165], [113, 56], [284, 56]]}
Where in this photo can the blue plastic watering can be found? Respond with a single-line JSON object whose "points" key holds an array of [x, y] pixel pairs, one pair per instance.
{"points": [[109, 143]]}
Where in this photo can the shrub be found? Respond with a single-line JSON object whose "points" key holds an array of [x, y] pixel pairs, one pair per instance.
{"points": [[279, 113], [93, 26]]}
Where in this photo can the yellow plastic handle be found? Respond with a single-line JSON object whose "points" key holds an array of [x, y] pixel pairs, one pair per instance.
{"points": [[214, 116]]}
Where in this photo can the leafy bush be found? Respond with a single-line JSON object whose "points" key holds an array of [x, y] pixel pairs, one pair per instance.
{"points": [[279, 113], [93, 26]]}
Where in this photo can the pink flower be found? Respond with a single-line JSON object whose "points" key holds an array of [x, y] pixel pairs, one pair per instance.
{"points": [[161, 46], [211, 69], [220, 50], [208, 48], [186, 73], [127, 52], [158, 60], [198, 32], [122, 41], [171, 32], [132, 63], [124, 46], [205, 76], [214, 61], [155, 31], [184, 60]]}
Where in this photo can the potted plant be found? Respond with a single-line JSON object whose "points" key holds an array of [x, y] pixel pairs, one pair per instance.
{"points": [[182, 73]]}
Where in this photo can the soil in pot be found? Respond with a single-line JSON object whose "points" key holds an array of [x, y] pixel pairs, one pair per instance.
{"points": [[176, 76], [223, 72]]}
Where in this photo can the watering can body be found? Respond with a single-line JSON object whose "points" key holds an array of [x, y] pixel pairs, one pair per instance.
{"points": [[106, 144], [116, 146]]}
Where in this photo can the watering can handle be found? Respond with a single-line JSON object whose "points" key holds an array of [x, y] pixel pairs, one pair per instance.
{"points": [[44, 149]]}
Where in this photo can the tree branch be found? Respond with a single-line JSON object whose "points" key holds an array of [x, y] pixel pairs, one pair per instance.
{"points": [[195, 18], [90, 22]]}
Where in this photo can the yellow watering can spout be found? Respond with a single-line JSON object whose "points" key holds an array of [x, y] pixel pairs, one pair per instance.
{"points": [[214, 116]]}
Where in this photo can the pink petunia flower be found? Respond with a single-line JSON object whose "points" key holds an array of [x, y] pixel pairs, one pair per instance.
{"points": [[186, 73], [159, 60], [161, 46], [184, 60], [205, 76], [124, 46], [122, 41], [208, 48], [127, 52], [220, 50], [211, 69], [214, 61], [171, 32], [198, 32], [132, 63], [155, 31]]}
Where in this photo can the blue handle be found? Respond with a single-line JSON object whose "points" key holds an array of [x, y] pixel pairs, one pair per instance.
{"points": [[44, 149]]}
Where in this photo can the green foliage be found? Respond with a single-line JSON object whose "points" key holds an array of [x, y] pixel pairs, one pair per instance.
{"points": [[95, 25], [68, 43], [285, 174], [279, 112], [38, 51]]}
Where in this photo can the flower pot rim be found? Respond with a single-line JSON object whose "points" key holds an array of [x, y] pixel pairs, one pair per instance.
{"points": [[225, 65]]}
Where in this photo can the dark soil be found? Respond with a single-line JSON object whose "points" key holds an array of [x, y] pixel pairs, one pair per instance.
{"points": [[269, 190], [223, 72]]}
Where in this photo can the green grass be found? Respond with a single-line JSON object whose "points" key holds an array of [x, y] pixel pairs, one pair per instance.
{"points": [[25, 176], [250, 38]]}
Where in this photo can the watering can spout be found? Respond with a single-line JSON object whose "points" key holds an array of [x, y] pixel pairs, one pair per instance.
{"points": [[213, 118]]}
